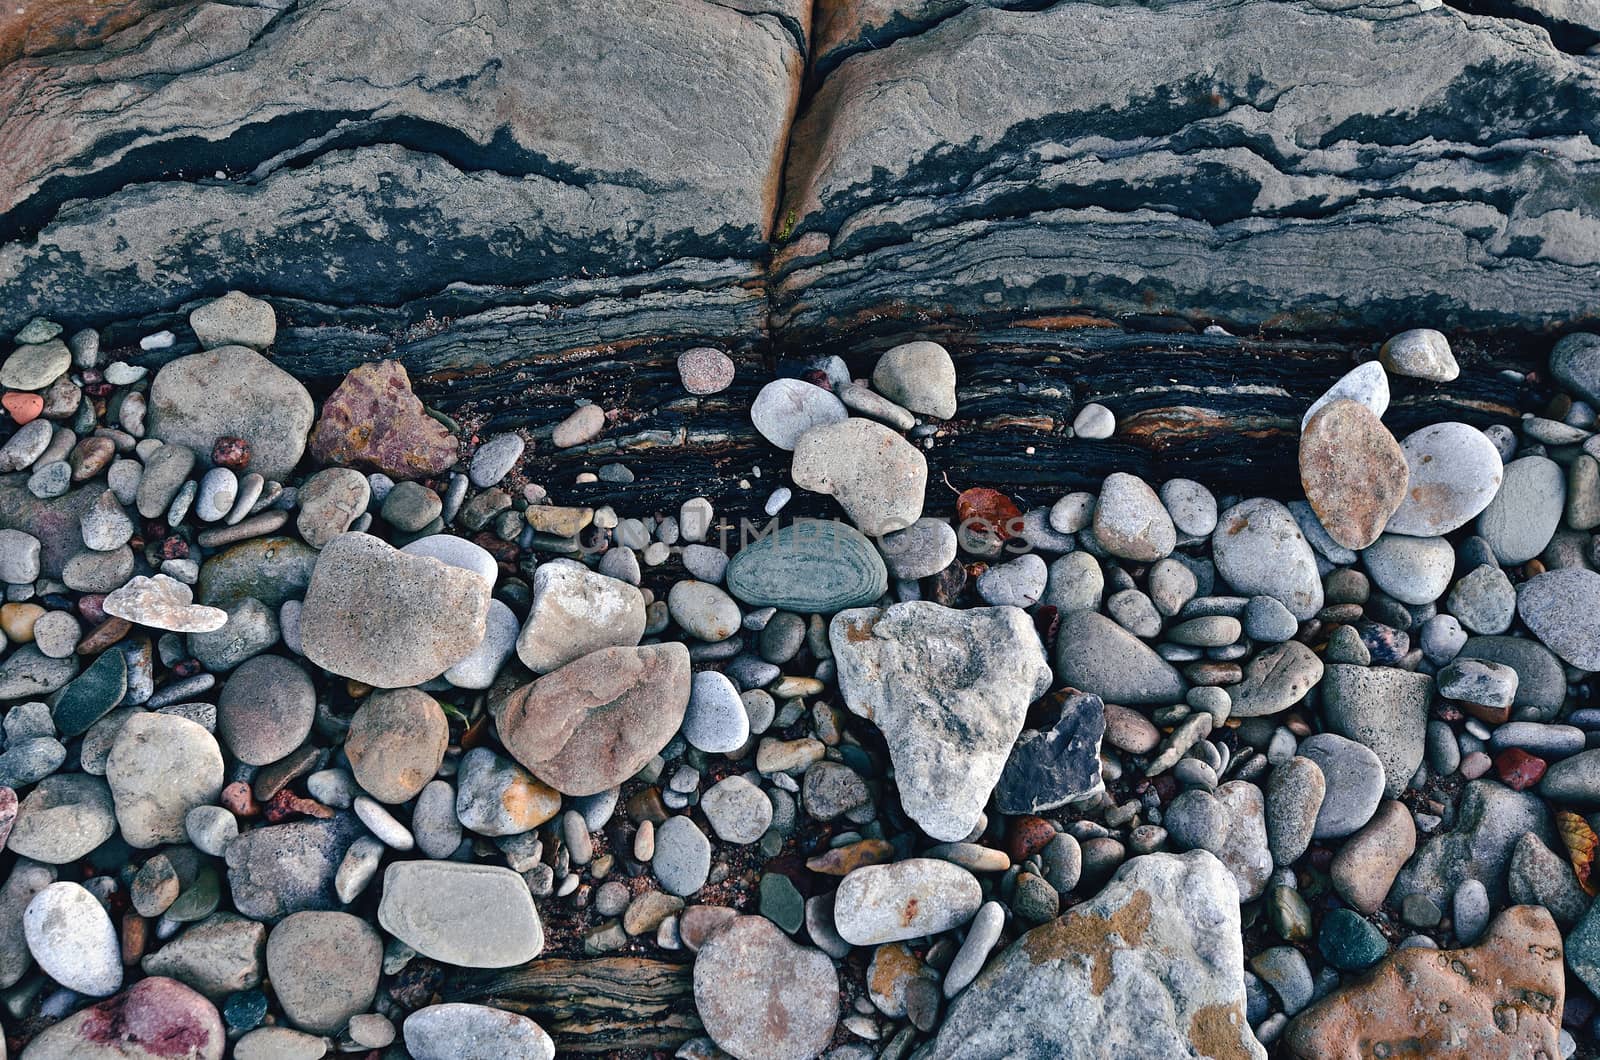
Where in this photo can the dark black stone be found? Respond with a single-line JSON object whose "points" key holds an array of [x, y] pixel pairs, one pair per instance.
{"points": [[1051, 767]]}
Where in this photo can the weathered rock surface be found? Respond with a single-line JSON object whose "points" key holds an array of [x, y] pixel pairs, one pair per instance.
{"points": [[436, 908], [233, 391], [595, 722], [1489, 821], [1502, 997], [907, 195], [949, 691], [1152, 966], [762, 996], [154, 1019], [480, 162], [387, 617]]}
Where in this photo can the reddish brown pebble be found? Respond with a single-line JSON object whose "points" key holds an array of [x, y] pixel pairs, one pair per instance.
{"points": [[1353, 471], [286, 804], [231, 452], [704, 371], [91, 607], [135, 934], [1519, 769], [104, 635], [1492, 715], [237, 800], [841, 861], [1027, 837], [23, 407]]}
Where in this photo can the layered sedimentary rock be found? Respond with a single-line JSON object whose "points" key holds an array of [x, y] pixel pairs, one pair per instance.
{"points": [[1230, 162], [552, 158]]}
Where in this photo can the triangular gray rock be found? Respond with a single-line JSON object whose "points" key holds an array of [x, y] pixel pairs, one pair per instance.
{"points": [[949, 690]]}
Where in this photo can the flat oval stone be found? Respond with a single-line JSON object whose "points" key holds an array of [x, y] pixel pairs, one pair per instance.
{"points": [[787, 408], [1523, 516], [1454, 471], [70, 934], [455, 1030], [1355, 782], [1353, 472], [266, 709], [595, 722], [1260, 551], [1413, 570], [437, 908], [1562, 608], [161, 767], [891, 903], [810, 567], [1275, 680], [1131, 522], [92, 694]]}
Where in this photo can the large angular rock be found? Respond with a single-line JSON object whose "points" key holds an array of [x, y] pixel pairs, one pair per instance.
{"points": [[232, 391], [595, 722], [576, 611], [1502, 997], [389, 618], [904, 189], [949, 691], [1051, 767], [1151, 967]]}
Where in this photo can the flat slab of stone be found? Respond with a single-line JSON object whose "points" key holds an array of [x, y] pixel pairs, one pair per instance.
{"points": [[389, 618], [809, 567], [1150, 968], [437, 908]]}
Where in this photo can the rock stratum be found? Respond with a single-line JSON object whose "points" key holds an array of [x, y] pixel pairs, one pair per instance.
{"points": [[552, 180], [525, 204]]}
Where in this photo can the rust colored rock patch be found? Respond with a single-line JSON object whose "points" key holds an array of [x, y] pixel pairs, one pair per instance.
{"points": [[1502, 997], [374, 421]]}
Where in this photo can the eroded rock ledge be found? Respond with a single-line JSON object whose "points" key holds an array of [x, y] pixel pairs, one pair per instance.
{"points": [[611, 174]]}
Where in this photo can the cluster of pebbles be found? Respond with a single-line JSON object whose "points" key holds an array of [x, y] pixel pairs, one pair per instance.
{"points": [[305, 710]]}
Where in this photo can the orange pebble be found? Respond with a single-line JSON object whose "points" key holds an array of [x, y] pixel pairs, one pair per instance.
{"points": [[23, 406]]}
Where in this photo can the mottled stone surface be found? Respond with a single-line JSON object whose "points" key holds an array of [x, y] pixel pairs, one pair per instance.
{"points": [[1151, 967], [595, 722], [373, 421], [949, 690], [1502, 997]]}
